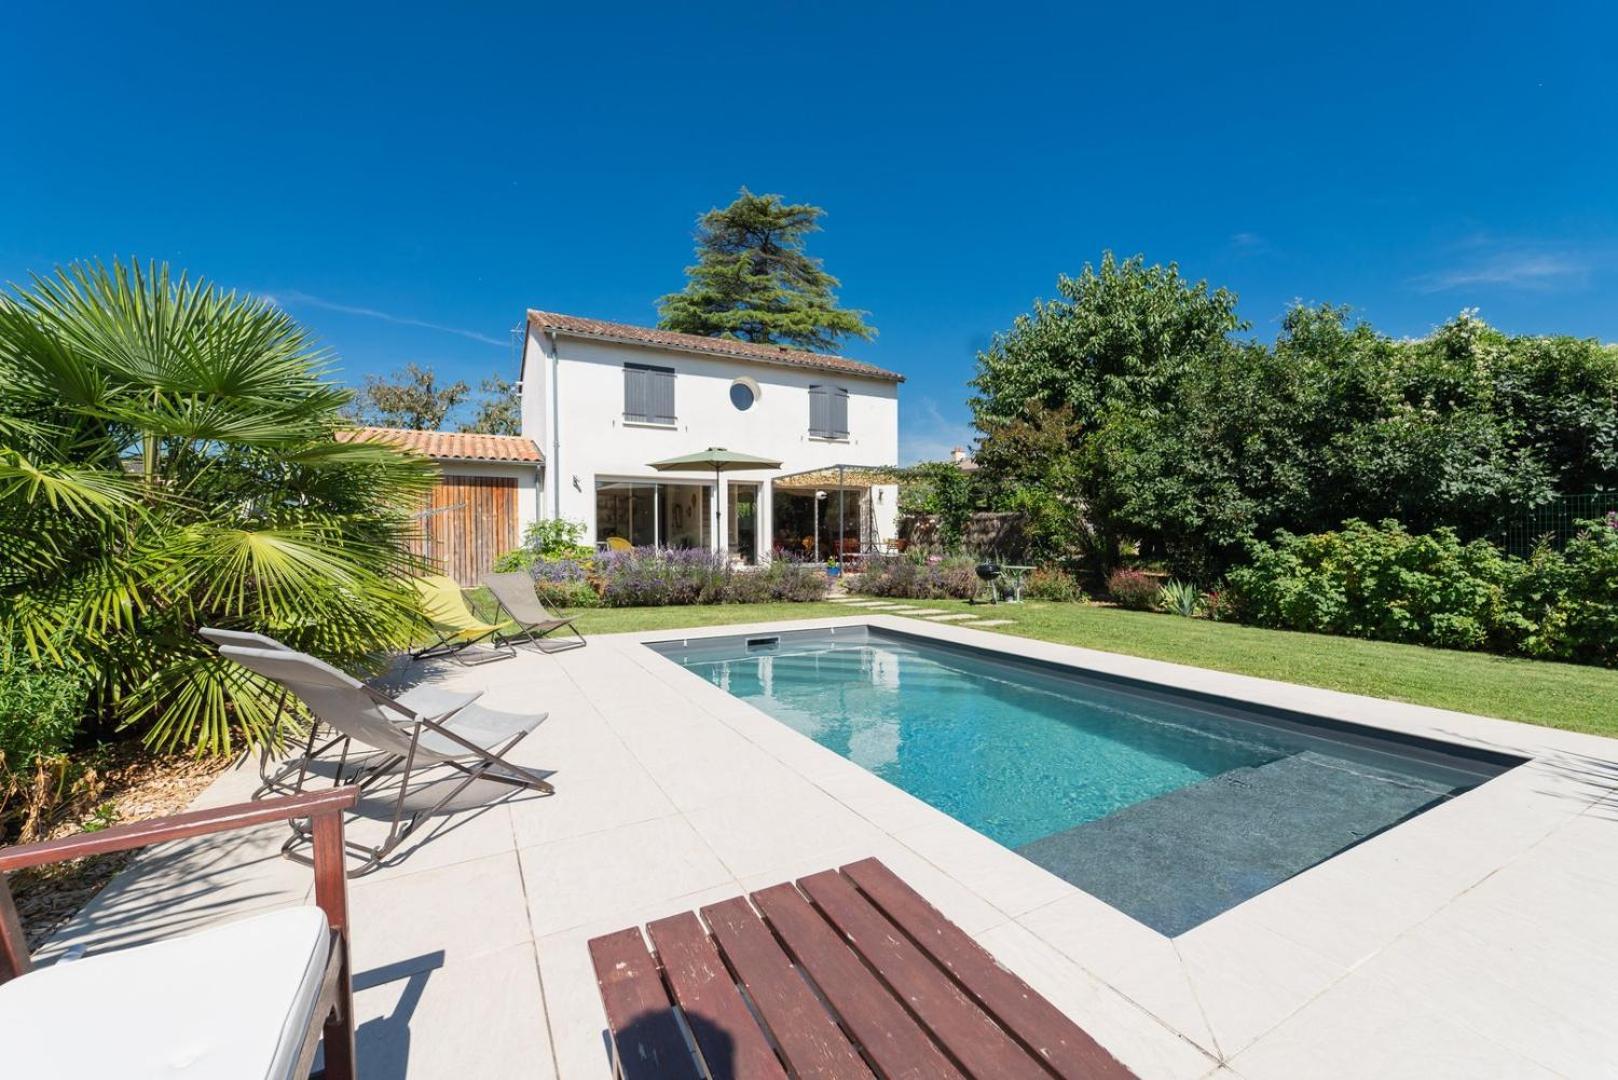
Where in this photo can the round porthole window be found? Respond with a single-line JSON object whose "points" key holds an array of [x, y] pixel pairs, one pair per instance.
{"points": [[742, 394]]}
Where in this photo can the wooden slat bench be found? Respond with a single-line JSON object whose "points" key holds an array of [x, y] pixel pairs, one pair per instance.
{"points": [[848, 973]]}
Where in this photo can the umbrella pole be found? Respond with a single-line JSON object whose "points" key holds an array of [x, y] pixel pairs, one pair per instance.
{"points": [[842, 510]]}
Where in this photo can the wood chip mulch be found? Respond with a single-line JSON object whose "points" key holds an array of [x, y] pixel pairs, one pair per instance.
{"points": [[136, 786]]}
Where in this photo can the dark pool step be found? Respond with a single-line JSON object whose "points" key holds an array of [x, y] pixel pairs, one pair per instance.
{"points": [[1180, 859]]}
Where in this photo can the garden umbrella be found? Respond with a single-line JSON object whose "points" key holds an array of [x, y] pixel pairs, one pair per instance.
{"points": [[719, 460]]}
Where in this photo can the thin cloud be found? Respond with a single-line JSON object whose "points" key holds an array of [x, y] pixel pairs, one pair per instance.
{"points": [[934, 436], [1248, 242], [295, 298], [1512, 270]]}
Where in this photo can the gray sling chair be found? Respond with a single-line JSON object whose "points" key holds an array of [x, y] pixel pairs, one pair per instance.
{"points": [[469, 740], [425, 698], [514, 592]]}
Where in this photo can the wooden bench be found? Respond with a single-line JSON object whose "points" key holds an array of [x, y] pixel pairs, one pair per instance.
{"points": [[848, 973]]}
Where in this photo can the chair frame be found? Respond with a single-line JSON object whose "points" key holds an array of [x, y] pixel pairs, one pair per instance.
{"points": [[372, 773], [453, 648], [477, 763], [333, 1018], [528, 631]]}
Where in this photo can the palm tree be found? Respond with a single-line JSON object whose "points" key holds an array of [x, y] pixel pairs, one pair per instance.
{"points": [[168, 461]]}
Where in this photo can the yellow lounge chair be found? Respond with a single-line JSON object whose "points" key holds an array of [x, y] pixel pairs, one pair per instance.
{"points": [[456, 628], [618, 543]]}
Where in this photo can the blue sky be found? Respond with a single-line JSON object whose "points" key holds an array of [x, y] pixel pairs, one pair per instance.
{"points": [[407, 179]]}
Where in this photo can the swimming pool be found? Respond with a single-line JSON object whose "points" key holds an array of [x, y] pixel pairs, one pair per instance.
{"points": [[1171, 806]]}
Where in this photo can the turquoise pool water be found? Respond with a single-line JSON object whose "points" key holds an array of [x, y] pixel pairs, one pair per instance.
{"points": [[1149, 798]]}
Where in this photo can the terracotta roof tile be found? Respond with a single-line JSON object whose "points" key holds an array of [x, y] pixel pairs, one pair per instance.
{"points": [[451, 445], [741, 350]]}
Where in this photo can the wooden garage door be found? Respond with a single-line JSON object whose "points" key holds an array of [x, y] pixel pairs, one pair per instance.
{"points": [[471, 521]]}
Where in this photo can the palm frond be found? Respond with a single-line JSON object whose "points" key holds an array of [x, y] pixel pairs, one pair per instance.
{"points": [[168, 460]]}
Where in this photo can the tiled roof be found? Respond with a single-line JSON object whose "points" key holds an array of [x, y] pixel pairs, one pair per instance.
{"points": [[741, 350], [451, 445]]}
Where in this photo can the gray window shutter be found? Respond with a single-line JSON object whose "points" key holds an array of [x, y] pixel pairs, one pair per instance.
{"points": [[634, 392], [661, 393], [648, 394], [819, 410], [839, 413]]}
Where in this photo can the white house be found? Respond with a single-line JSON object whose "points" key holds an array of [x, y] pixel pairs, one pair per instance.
{"points": [[603, 400]]}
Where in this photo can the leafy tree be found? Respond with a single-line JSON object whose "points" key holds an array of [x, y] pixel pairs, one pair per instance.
{"points": [[408, 398], [1041, 475], [943, 490], [499, 409], [753, 280], [168, 461], [1467, 428], [1114, 349]]}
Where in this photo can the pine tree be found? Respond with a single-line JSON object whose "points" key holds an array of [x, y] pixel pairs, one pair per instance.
{"points": [[753, 280]]}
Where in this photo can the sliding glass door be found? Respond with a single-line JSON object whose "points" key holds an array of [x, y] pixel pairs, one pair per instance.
{"points": [[684, 515], [630, 514], [741, 516]]}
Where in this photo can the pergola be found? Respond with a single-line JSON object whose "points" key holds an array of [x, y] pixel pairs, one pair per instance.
{"points": [[838, 477]]}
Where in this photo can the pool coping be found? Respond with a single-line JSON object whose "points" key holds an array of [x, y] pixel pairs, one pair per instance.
{"points": [[1234, 986]]}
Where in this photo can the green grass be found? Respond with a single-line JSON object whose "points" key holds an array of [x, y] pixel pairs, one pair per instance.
{"points": [[1553, 695]]}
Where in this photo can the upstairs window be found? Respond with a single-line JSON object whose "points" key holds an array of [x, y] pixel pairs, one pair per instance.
{"points": [[648, 394], [828, 412]]}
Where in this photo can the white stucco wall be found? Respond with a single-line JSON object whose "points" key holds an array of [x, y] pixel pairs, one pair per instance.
{"points": [[586, 438]]}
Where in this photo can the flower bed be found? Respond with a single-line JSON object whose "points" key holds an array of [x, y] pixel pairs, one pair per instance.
{"points": [[915, 577], [656, 577]]}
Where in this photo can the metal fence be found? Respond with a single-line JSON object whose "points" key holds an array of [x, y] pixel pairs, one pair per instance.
{"points": [[1558, 520]]}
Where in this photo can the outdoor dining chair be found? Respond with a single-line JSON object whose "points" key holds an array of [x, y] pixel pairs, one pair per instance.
{"points": [[470, 741], [454, 625], [514, 592], [255, 997]]}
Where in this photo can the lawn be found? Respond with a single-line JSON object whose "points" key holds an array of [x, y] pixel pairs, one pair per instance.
{"points": [[1554, 695]]}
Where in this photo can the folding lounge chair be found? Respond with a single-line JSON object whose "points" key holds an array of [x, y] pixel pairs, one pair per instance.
{"points": [[453, 623], [254, 997], [469, 740], [514, 593], [287, 779]]}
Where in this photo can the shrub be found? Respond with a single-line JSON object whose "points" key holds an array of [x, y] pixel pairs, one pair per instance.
{"points": [[544, 540], [40, 711], [653, 577], [1179, 598], [915, 577], [564, 583], [1385, 583], [649, 577], [1132, 589], [794, 582], [1051, 583], [1219, 605], [1573, 597]]}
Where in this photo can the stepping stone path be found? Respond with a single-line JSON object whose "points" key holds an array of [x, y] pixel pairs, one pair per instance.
{"points": [[990, 622], [923, 611], [951, 618]]}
